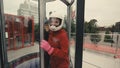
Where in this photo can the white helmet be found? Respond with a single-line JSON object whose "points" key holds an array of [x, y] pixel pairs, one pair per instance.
{"points": [[56, 16]]}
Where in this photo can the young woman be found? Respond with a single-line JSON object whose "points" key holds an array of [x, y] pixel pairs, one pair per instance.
{"points": [[57, 45]]}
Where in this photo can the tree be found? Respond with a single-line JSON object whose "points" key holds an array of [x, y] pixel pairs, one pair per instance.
{"points": [[108, 38], [37, 32], [91, 27], [95, 38], [117, 27], [112, 29], [86, 30], [73, 27]]}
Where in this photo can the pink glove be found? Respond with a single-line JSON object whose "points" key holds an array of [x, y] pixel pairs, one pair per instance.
{"points": [[46, 46]]}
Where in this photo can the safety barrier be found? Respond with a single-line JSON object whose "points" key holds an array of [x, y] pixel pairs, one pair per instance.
{"points": [[19, 31]]}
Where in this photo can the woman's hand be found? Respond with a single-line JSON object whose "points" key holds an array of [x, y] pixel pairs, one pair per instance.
{"points": [[46, 46]]}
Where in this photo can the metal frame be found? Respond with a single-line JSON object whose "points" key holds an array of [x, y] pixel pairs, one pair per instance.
{"points": [[68, 24], [68, 15], [67, 3], [79, 29], [0, 46], [3, 50], [79, 33], [41, 14]]}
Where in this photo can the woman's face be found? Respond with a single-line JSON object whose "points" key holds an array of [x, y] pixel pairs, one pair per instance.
{"points": [[54, 22]]}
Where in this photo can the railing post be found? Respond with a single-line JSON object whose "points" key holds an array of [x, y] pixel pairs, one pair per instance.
{"points": [[42, 14]]}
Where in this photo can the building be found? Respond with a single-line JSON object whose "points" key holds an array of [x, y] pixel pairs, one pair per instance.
{"points": [[28, 8], [117, 27]]}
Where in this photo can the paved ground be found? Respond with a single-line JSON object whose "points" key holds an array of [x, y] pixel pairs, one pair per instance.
{"points": [[92, 58], [95, 60], [14, 54], [102, 48]]}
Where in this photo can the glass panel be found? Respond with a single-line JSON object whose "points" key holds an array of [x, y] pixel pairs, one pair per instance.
{"points": [[73, 34], [22, 36], [101, 34]]}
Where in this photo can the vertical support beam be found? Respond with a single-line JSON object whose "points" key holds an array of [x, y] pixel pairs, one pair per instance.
{"points": [[116, 49], [3, 50], [69, 30], [32, 32], [69, 20], [42, 14], [0, 52], [68, 4], [13, 30], [79, 34], [22, 28], [8, 30]]}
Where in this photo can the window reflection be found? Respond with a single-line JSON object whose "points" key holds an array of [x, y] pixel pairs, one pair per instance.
{"points": [[101, 34], [21, 16]]}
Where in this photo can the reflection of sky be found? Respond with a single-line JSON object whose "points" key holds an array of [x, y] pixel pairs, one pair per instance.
{"points": [[107, 12], [11, 6]]}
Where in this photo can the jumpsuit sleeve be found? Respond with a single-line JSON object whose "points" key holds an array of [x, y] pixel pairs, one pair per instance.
{"points": [[61, 52]]}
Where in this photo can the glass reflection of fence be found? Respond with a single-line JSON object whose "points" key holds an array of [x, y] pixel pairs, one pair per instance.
{"points": [[19, 32], [104, 39], [103, 42]]}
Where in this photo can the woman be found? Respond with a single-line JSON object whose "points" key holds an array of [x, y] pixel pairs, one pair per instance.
{"points": [[57, 45]]}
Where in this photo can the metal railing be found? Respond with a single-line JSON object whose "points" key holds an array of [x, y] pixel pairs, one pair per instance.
{"points": [[105, 39], [107, 43]]}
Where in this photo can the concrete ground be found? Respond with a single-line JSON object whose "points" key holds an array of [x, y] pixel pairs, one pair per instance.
{"points": [[95, 60], [91, 58]]}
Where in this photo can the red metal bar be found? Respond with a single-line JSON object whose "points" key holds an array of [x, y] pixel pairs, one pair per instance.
{"points": [[8, 30], [32, 31], [22, 28], [14, 41], [17, 31]]}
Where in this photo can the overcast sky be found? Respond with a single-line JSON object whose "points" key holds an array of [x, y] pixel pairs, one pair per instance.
{"points": [[11, 6], [107, 12]]}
